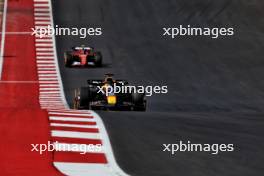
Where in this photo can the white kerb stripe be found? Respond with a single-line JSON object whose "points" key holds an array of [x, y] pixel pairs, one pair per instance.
{"points": [[41, 5], [46, 61], [47, 72], [42, 18], [48, 82], [73, 125], [73, 119], [81, 169], [48, 85], [43, 40], [72, 110], [45, 54], [48, 79], [42, 22], [36, 1], [47, 75], [46, 65], [70, 113], [48, 92], [41, 14], [73, 134], [44, 49], [41, 10], [43, 44], [48, 102], [45, 57]]}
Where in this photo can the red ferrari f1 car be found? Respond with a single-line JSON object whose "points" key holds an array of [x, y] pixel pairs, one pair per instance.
{"points": [[83, 56]]}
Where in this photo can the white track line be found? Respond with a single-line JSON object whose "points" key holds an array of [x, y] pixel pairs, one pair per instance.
{"points": [[3, 38]]}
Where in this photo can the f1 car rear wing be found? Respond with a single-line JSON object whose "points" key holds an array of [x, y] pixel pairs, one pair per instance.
{"points": [[94, 82], [100, 82], [81, 48]]}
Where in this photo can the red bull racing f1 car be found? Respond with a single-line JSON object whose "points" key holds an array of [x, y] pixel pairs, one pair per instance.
{"points": [[96, 96], [83, 56]]}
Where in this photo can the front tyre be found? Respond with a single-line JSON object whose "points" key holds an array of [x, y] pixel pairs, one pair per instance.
{"points": [[83, 98], [139, 102], [68, 60], [98, 59]]}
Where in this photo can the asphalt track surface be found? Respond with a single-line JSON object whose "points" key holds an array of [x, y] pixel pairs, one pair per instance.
{"points": [[216, 87]]}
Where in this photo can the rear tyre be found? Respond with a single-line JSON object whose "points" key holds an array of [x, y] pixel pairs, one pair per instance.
{"points": [[68, 59], [98, 59], [84, 98], [139, 102]]}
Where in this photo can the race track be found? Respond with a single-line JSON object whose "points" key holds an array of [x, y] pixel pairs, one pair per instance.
{"points": [[216, 87]]}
